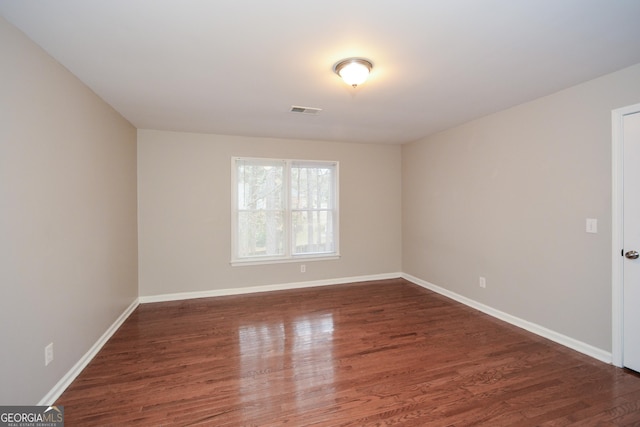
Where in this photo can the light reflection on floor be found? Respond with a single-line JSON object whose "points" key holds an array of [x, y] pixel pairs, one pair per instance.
{"points": [[292, 352]]}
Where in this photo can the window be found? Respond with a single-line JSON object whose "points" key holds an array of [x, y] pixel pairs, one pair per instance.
{"points": [[284, 210]]}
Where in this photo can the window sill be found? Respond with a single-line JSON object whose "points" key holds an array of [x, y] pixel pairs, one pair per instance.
{"points": [[310, 258]]}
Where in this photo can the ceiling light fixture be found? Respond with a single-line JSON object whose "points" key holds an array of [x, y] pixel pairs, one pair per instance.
{"points": [[354, 71]]}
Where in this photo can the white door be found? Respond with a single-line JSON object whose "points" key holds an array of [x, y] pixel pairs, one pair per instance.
{"points": [[631, 243]]}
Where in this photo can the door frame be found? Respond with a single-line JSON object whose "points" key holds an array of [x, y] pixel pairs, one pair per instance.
{"points": [[617, 231]]}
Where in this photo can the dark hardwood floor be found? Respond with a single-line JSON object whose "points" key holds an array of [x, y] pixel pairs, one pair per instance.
{"points": [[376, 353]]}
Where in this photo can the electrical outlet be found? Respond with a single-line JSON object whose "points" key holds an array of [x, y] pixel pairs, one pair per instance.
{"points": [[48, 354], [482, 282], [303, 268]]}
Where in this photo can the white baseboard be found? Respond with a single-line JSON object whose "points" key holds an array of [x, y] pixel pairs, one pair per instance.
{"points": [[564, 340], [584, 348], [67, 379], [264, 288]]}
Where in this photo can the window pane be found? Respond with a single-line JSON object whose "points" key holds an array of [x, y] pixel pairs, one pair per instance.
{"points": [[260, 185], [312, 187], [313, 232], [284, 208], [260, 233]]}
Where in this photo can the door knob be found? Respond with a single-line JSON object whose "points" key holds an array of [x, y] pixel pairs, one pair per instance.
{"points": [[632, 254]]}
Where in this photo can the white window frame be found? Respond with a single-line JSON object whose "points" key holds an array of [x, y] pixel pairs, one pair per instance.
{"points": [[288, 255]]}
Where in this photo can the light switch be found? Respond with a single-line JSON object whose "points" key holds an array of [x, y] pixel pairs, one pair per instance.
{"points": [[592, 225]]}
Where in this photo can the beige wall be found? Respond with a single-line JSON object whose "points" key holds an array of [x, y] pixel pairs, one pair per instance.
{"points": [[68, 265], [506, 197], [184, 183]]}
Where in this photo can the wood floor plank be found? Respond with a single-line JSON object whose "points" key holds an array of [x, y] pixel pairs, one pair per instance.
{"points": [[376, 353]]}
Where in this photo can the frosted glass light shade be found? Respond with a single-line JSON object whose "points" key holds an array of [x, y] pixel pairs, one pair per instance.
{"points": [[354, 71]]}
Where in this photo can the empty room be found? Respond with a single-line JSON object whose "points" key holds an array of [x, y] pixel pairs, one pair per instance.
{"points": [[356, 213]]}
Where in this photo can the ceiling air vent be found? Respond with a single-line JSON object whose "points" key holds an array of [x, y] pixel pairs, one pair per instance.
{"points": [[305, 110]]}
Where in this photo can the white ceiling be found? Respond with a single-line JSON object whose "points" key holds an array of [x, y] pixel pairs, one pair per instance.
{"points": [[237, 66]]}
